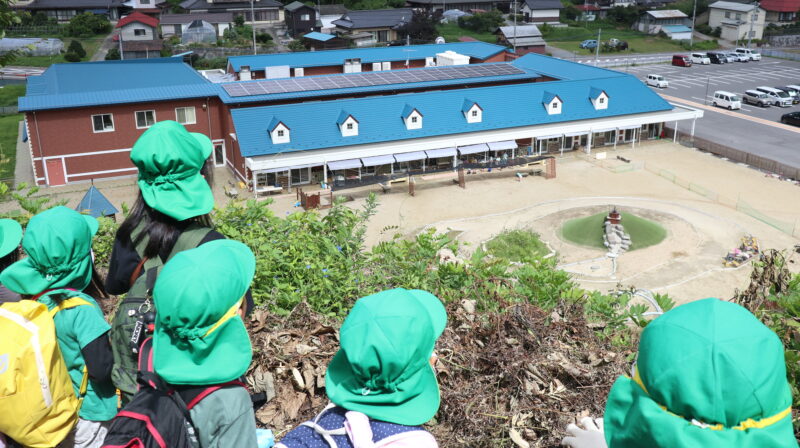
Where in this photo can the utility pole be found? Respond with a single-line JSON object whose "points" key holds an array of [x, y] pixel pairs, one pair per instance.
{"points": [[597, 48], [253, 26], [121, 54], [694, 17], [514, 12], [752, 20]]}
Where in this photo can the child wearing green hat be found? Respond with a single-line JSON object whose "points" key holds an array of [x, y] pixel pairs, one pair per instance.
{"points": [[708, 374], [58, 267], [382, 382], [200, 339], [10, 237], [170, 215]]}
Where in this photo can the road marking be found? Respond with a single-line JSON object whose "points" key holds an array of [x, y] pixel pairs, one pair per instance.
{"points": [[733, 114]]}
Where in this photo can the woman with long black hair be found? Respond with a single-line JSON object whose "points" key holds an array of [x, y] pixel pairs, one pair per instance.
{"points": [[170, 215]]}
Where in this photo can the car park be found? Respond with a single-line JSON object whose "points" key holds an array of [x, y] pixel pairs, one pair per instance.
{"points": [[777, 97], [758, 98], [716, 58], [792, 118], [727, 100], [588, 44], [793, 93], [681, 60], [700, 58], [751, 55], [656, 81]]}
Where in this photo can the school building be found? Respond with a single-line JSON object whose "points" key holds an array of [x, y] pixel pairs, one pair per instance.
{"points": [[83, 118]]}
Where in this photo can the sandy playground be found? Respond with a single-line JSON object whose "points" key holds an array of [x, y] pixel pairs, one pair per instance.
{"points": [[697, 197]]}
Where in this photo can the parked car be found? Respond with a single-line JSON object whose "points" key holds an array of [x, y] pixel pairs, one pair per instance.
{"points": [[758, 98], [589, 44], [729, 56], [700, 58], [727, 100], [751, 55], [656, 81], [792, 118], [717, 58], [777, 97], [736, 57], [681, 60], [793, 93]]}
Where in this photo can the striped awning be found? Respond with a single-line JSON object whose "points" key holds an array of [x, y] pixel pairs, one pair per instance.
{"points": [[473, 149], [443, 152], [408, 156], [344, 164], [377, 160], [502, 146]]}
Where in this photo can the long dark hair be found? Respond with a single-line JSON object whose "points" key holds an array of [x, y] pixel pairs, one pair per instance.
{"points": [[162, 230], [9, 259]]}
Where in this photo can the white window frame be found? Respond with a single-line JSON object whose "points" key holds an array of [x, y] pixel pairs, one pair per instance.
{"points": [[104, 129], [136, 30], [194, 113], [136, 118]]}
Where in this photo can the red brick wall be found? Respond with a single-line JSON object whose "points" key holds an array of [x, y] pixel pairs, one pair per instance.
{"points": [[499, 57], [55, 133], [538, 49]]}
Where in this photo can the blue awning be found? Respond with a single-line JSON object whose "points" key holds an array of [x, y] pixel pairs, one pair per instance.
{"points": [[408, 156], [377, 160], [473, 149], [344, 164], [442, 152]]}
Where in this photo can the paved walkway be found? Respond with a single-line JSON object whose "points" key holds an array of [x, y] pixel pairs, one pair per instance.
{"points": [[23, 169], [102, 51]]}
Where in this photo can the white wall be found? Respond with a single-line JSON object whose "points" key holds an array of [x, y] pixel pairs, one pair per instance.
{"points": [[729, 32], [681, 36], [128, 33]]}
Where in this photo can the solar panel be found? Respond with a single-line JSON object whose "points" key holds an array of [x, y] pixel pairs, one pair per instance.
{"points": [[365, 79]]}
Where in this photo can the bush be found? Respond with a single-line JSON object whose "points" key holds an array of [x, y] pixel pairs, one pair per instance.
{"points": [[72, 57], [77, 48], [485, 22], [296, 45], [87, 25], [704, 28], [717, 32], [238, 20], [112, 55], [263, 38]]}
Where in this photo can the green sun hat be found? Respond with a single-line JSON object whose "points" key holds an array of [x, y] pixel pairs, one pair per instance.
{"points": [[169, 159], [10, 236], [58, 243], [382, 368], [708, 374], [199, 337]]}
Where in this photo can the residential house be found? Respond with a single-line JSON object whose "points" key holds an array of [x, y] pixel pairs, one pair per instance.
{"points": [[524, 38], [265, 11], [316, 41], [653, 4], [737, 20], [381, 24], [176, 24], [276, 65], [463, 5], [300, 18], [64, 10], [151, 7], [651, 22], [542, 11], [781, 12], [138, 37], [326, 14]]}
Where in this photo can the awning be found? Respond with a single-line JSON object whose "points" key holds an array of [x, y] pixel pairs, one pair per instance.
{"points": [[408, 156], [625, 128], [443, 152], [378, 160], [502, 146], [600, 131], [344, 164], [287, 168], [575, 134], [548, 137], [473, 149]]}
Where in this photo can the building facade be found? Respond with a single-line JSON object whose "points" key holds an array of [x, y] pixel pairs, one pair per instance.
{"points": [[176, 24], [781, 12], [737, 20], [542, 11], [382, 24], [259, 12], [652, 22], [523, 39], [300, 19], [137, 37], [64, 10]]}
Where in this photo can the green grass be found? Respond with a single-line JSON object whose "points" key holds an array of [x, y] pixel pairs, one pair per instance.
{"points": [[569, 39], [517, 245], [451, 32], [9, 127], [588, 231], [9, 94], [89, 44]]}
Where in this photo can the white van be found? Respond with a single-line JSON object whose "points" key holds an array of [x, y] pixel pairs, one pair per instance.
{"points": [[656, 81], [753, 56], [727, 100], [700, 58], [777, 97]]}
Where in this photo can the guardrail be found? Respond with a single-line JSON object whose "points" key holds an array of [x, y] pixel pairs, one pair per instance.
{"points": [[626, 62], [780, 54]]}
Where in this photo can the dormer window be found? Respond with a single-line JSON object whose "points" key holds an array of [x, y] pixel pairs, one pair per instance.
{"points": [[472, 112], [348, 125], [599, 98], [279, 132], [552, 103], [412, 117]]}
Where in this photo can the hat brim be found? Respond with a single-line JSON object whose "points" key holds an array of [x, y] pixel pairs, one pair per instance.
{"points": [[92, 222], [223, 356], [23, 278], [181, 200], [397, 407], [205, 143], [11, 233], [435, 309]]}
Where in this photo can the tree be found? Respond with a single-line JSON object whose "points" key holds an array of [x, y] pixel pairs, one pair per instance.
{"points": [[483, 22], [71, 57], [112, 55], [625, 15], [77, 48], [421, 28], [87, 25], [238, 20], [296, 45], [8, 18]]}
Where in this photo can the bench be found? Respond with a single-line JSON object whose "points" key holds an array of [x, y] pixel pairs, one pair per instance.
{"points": [[398, 180]]}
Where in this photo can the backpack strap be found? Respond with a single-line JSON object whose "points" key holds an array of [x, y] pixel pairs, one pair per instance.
{"points": [[188, 239]]}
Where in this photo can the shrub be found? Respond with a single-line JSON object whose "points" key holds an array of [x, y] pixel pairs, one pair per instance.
{"points": [[296, 45], [717, 32], [87, 25], [485, 22], [77, 48], [704, 28], [263, 38], [238, 20], [112, 55], [72, 57]]}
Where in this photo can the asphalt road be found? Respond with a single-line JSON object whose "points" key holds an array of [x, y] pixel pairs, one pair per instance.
{"points": [[753, 129]]}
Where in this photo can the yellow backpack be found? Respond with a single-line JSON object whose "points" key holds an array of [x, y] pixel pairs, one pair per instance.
{"points": [[37, 403]]}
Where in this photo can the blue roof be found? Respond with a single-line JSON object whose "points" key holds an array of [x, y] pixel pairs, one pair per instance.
{"points": [[676, 29], [548, 97], [95, 204], [314, 124], [467, 105], [478, 50], [408, 110], [595, 92], [343, 116], [112, 82], [322, 37]]}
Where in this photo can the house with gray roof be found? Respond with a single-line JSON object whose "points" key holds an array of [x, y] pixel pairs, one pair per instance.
{"points": [[64, 10], [734, 20], [176, 24], [651, 22], [542, 11], [381, 24], [265, 11], [300, 18], [524, 39], [463, 5]]}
